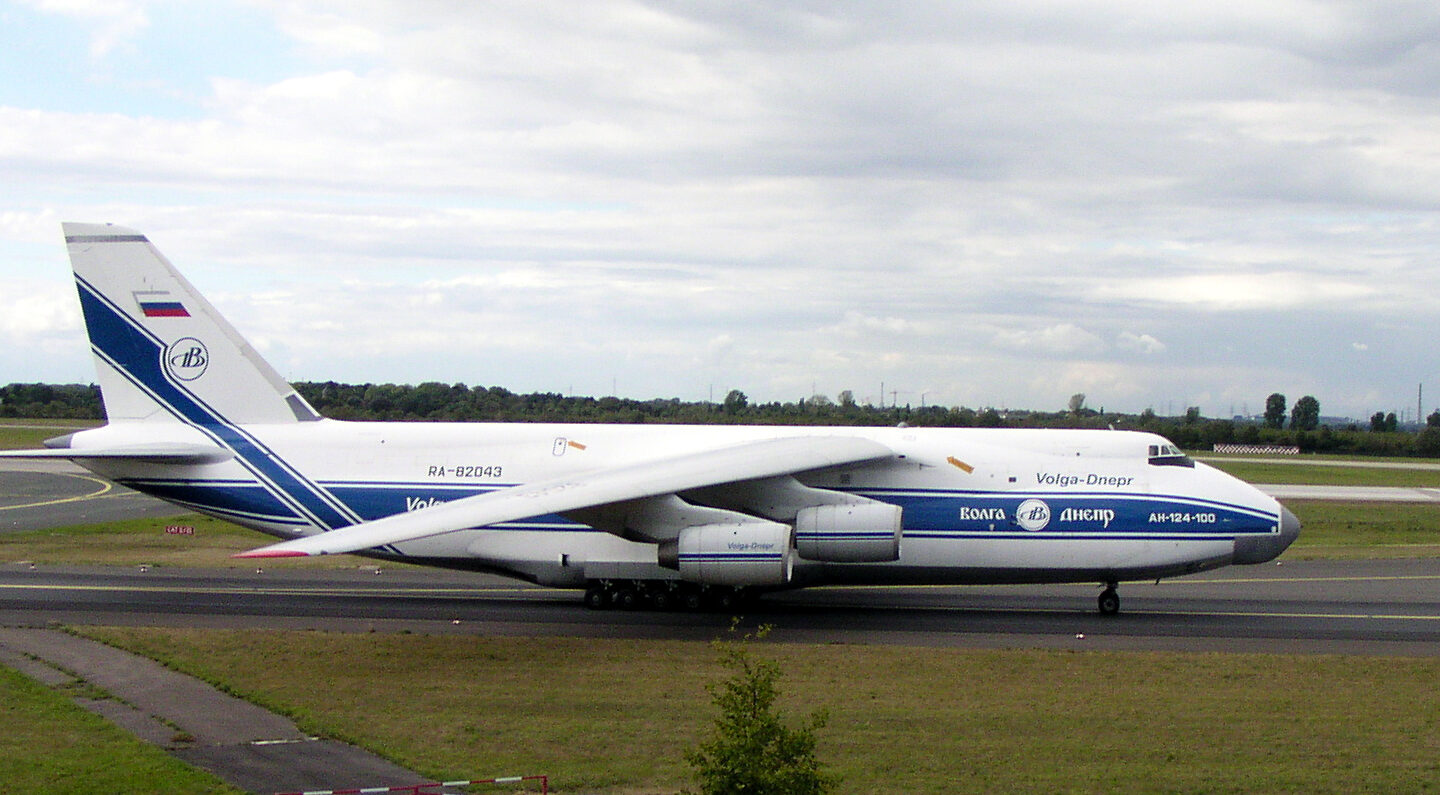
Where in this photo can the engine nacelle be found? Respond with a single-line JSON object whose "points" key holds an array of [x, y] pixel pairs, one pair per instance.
{"points": [[753, 553], [867, 532]]}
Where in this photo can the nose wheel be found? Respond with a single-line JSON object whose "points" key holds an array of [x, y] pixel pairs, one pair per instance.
{"points": [[1109, 602]]}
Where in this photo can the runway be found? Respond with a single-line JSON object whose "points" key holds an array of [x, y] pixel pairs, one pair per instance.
{"points": [[1342, 607]]}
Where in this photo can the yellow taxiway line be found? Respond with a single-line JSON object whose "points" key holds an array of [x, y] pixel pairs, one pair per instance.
{"points": [[105, 488]]}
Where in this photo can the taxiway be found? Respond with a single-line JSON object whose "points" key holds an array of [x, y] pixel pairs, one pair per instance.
{"points": [[1346, 607]]}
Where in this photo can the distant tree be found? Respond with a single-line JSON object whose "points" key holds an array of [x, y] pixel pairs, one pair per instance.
{"points": [[1433, 420], [1192, 415], [72, 401], [1392, 423], [1217, 432], [1377, 422], [1427, 442], [1077, 402], [735, 402], [1305, 416], [1275, 411], [820, 400]]}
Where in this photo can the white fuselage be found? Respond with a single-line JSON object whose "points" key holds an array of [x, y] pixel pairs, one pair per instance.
{"points": [[978, 505]]}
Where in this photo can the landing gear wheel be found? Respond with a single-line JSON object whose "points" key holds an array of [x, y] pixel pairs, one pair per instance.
{"points": [[662, 600], [727, 599], [1109, 602], [627, 599], [691, 599], [597, 598]]}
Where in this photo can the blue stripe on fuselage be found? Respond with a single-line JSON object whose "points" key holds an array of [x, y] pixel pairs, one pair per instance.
{"points": [[139, 356], [933, 515]]}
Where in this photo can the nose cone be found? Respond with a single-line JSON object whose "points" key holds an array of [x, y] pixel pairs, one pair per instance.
{"points": [[1261, 549]]}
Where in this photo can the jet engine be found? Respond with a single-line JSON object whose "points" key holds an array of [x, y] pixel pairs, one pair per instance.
{"points": [[750, 553], [866, 532]]}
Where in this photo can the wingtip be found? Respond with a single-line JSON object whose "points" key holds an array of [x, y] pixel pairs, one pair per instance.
{"points": [[272, 553]]}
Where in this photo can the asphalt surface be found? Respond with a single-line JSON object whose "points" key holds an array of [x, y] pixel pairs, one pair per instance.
{"points": [[46, 493], [1343, 607], [1351, 493]]}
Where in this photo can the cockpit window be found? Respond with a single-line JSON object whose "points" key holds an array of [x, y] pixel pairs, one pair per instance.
{"points": [[1168, 455]]}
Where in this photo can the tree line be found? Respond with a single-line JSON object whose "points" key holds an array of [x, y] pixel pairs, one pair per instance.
{"points": [[51, 401], [434, 401]]}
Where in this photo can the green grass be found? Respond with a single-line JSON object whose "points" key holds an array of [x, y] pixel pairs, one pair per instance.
{"points": [[48, 744], [1365, 530], [23, 434], [615, 716], [58, 422]]}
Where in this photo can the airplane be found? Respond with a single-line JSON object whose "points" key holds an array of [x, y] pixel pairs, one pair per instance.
{"points": [[657, 516]]}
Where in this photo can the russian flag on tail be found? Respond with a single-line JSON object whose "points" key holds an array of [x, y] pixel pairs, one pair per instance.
{"points": [[159, 303]]}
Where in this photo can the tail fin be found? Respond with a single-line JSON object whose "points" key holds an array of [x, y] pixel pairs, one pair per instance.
{"points": [[162, 352]]}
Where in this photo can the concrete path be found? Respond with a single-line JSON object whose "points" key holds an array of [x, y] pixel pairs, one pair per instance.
{"points": [[242, 744]]}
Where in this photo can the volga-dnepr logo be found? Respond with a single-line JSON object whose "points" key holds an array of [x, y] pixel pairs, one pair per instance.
{"points": [[1033, 515], [187, 358]]}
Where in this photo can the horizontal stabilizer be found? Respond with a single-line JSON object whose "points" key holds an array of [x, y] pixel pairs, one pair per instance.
{"points": [[163, 453], [749, 461]]}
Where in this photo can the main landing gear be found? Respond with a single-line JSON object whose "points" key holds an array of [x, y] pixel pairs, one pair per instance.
{"points": [[1109, 601], [662, 595]]}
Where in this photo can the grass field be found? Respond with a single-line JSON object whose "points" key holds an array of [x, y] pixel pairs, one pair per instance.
{"points": [[50, 745], [615, 716], [23, 434], [1334, 530]]}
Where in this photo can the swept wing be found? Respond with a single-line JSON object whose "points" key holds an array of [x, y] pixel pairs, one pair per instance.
{"points": [[753, 460]]}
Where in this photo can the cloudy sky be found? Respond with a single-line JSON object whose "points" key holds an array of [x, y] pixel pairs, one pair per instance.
{"points": [[1158, 204]]}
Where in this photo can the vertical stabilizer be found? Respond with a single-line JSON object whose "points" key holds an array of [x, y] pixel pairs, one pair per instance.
{"points": [[162, 352]]}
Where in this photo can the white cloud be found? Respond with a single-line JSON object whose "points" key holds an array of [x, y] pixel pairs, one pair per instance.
{"points": [[1056, 340], [38, 309], [1235, 291], [859, 324], [1101, 382], [1143, 343]]}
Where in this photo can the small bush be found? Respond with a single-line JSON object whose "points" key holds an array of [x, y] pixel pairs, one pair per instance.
{"points": [[752, 751]]}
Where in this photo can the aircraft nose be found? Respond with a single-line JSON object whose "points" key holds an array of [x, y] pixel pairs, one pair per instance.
{"points": [[1260, 549], [1289, 528]]}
